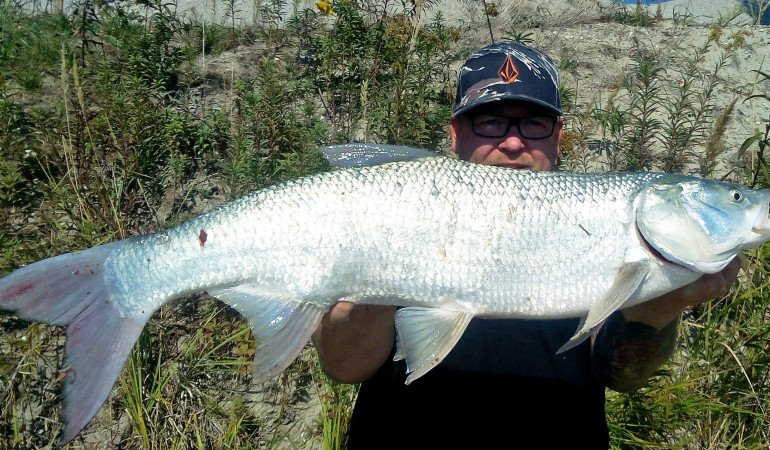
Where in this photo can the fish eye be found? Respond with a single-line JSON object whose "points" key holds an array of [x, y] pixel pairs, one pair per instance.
{"points": [[736, 195]]}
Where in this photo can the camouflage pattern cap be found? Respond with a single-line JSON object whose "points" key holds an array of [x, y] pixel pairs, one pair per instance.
{"points": [[508, 71]]}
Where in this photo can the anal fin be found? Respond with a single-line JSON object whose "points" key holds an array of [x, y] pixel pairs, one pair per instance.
{"points": [[281, 325], [426, 336]]}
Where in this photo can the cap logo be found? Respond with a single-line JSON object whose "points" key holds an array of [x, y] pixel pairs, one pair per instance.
{"points": [[508, 71]]}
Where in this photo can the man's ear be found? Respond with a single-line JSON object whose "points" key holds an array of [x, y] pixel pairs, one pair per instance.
{"points": [[454, 127], [559, 130]]}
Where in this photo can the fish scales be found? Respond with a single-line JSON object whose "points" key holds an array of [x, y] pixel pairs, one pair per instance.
{"points": [[331, 246], [444, 239]]}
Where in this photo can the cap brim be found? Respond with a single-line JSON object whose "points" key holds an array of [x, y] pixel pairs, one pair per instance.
{"points": [[504, 97]]}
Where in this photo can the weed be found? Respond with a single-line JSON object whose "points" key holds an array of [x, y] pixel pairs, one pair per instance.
{"points": [[386, 73], [645, 91], [758, 10], [714, 148], [283, 135], [145, 364], [683, 14], [761, 138], [612, 121], [29, 48], [729, 16], [715, 391], [656, 116], [633, 14], [574, 154], [86, 20], [336, 407], [692, 103], [522, 37], [412, 111]]}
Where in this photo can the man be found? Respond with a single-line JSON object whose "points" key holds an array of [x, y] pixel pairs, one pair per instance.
{"points": [[503, 384]]}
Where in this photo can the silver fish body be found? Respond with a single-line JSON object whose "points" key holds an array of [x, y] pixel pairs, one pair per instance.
{"points": [[437, 233], [445, 239]]}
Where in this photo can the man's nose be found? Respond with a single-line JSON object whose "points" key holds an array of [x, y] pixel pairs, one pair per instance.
{"points": [[512, 142]]}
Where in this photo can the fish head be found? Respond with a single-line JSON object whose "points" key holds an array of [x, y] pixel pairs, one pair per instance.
{"points": [[702, 224]]}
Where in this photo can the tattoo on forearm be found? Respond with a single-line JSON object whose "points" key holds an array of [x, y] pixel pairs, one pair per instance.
{"points": [[626, 354]]}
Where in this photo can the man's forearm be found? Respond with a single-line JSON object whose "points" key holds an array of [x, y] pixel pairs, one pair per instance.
{"points": [[635, 341], [353, 341], [625, 354]]}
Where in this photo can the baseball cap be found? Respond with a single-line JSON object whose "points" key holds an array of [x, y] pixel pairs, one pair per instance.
{"points": [[508, 71]]}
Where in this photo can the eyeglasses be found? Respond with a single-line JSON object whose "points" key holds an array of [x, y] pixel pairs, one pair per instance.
{"points": [[488, 125]]}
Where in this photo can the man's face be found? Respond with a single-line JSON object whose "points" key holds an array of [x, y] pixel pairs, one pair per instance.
{"points": [[511, 150]]}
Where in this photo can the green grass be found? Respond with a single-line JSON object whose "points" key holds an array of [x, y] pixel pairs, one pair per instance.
{"points": [[716, 391], [111, 126]]}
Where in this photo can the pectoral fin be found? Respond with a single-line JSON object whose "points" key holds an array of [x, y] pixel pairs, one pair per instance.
{"points": [[626, 282], [281, 325], [425, 337]]}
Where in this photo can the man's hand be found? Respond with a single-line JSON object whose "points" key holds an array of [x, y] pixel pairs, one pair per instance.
{"points": [[353, 341], [663, 310], [632, 345]]}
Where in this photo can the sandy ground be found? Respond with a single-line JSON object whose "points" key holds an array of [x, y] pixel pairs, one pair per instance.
{"points": [[457, 11], [704, 11]]}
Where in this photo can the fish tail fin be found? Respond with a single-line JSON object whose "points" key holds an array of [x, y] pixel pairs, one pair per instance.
{"points": [[72, 290]]}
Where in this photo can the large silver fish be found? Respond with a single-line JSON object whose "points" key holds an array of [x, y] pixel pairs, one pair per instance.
{"points": [[445, 239]]}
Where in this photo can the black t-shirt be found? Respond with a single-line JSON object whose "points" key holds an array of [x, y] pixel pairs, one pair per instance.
{"points": [[502, 386]]}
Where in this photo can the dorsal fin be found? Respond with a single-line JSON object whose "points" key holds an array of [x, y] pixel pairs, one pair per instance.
{"points": [[347, 156]]}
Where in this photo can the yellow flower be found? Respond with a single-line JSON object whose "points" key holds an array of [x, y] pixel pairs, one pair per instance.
{"points": [[325, 7]]}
